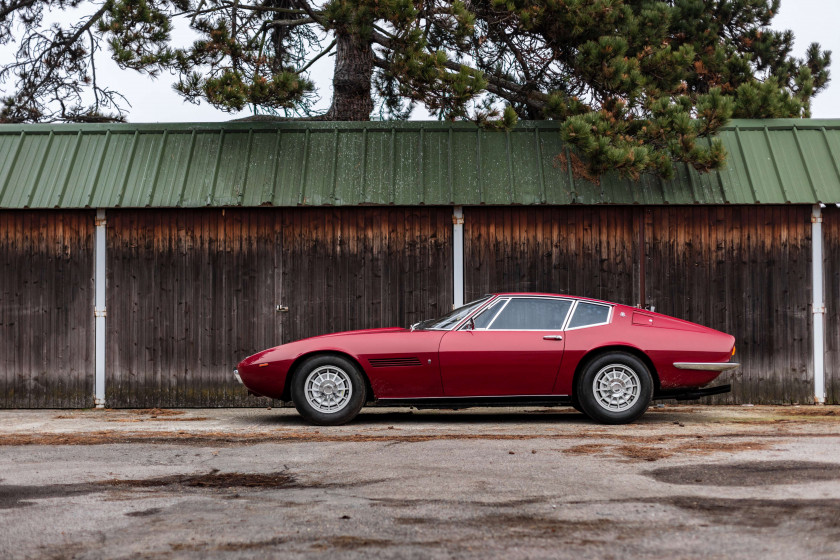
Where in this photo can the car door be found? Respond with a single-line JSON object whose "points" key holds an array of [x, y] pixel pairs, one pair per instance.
{"points": [[515, 349]]}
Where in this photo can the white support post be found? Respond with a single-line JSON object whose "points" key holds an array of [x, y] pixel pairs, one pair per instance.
{"points": [[458, 256], [99, 309], [818, 306]]}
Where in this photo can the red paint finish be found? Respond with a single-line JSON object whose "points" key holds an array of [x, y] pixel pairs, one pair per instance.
{"points": [[493, 363], [496, 363]]}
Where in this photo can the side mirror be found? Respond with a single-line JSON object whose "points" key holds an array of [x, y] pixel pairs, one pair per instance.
{"points": [[472, 324]]}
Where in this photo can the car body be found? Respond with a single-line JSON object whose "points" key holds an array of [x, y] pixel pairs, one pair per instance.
{"points": [[506, 348]]}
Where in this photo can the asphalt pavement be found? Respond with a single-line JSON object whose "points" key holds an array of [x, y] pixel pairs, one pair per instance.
{"points": [[683, 482]]}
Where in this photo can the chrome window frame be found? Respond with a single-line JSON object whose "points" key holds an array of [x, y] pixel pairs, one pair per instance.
{"points": [[611, 309], [512, 297]]}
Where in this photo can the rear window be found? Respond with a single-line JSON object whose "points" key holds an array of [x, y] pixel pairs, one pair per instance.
{"points": [[536, 314], [589, 314]]}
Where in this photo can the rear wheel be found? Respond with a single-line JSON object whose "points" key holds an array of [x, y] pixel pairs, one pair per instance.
{"points": [[615, 388], [328, 390]]}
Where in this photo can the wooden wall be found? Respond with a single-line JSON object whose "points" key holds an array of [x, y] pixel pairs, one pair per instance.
{"points": [[831, 261], [744, 270], [46, 309], [192, 292], [569, 250]]}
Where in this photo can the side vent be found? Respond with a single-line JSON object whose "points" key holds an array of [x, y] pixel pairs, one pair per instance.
{"points": [[394, 362]]}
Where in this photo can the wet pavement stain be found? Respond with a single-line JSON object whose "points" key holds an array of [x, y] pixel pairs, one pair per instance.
{"points": [[748, 473]]}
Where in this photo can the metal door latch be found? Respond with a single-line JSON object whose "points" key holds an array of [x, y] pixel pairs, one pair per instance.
{"points": [[281, 308]]}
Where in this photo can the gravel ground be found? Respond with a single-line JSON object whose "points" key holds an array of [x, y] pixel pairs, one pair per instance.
{"points": [[683, 482]]}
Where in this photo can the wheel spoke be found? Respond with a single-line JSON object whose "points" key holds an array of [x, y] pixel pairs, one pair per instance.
{"points": [[328, 389], [616, 387]]}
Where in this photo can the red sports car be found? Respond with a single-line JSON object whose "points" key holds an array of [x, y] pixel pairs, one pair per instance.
{"points": [[605, 359]]}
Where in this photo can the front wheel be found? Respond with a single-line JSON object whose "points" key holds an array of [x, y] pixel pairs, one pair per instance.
{"points": [[615, 388], [328, 390]]}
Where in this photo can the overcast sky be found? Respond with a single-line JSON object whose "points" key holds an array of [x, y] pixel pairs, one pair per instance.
{"points": [[154, 100]]}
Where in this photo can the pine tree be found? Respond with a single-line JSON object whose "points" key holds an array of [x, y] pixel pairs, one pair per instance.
{"points": [[636, 84]]}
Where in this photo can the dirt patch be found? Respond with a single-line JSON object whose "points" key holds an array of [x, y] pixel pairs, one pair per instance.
{"points": [[350, 542], [639, 448], [752, 473], [144, 512], [811, 411], [214, 479], [807, 517], [103, 437], [226, 546], [586, 449], [155, 412]]}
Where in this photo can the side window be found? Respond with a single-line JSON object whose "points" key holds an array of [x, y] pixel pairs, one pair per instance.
{"points": [[539, 314], [483, 319], [588, 314]]}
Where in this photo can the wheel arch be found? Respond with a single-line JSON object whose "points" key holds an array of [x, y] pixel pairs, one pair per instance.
{"points": [[601, 350], [293, 370]]}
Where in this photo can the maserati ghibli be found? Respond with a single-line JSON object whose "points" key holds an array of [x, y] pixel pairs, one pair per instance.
{"points": [[606, 360]]}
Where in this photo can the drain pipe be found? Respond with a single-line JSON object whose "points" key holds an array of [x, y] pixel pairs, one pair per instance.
{"points": [[99, 309], [818, 306], [458, 256]]}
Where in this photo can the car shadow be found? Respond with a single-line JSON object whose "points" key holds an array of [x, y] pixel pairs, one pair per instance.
{"points": [[373, 417]]}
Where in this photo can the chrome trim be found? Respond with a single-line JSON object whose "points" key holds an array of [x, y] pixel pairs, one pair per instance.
{"points": [[707, 366], [237, 377], [509, 299]]}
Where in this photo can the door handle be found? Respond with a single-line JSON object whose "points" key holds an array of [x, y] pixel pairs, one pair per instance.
{"points": [[552, 337]]}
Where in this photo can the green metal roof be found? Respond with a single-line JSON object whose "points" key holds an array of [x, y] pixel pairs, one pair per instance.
{"points": [[402, 163]]}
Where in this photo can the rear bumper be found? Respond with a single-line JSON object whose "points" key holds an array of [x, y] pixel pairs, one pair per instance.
{"points": [[692, 394], [706, 366]]}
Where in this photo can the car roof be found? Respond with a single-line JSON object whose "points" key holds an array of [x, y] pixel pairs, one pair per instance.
{"points": [[543, 294]]}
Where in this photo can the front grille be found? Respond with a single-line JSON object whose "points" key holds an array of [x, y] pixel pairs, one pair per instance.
{"points": [[394, 362]]}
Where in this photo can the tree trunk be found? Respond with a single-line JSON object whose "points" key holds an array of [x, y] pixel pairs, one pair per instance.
{"points": [[352, 100]]}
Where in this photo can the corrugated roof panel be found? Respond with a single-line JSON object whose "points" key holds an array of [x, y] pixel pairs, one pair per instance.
{"points": [[289, 167], [52, 178], [377, 167], [737, 185], [202, 169], [85, 170], [233, 164], [466, 184], [261, 169], [494, 171], [436, 151], [22, 182], [819, 162], [528, 184], [407, 186], [287, 164], [559, 186], [171, 167], [349, 188], [759, 162]]}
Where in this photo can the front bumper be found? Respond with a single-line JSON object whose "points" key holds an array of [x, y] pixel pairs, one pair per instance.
{"points": [[237, 376]]}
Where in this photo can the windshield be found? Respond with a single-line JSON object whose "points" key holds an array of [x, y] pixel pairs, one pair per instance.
{"points": [[450, 320]]}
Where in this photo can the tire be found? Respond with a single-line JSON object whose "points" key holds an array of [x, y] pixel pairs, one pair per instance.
{"points": [[615, 388], [576, 403], [328, 390]]}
